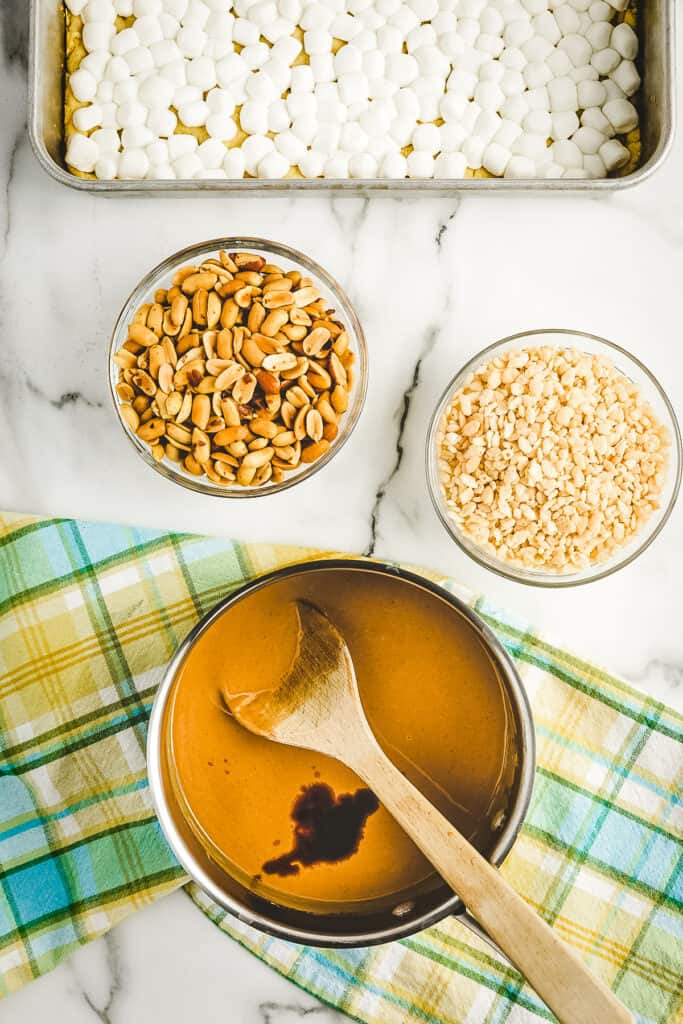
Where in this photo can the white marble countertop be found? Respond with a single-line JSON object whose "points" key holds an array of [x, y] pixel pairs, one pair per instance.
{"points": [[433, 281]]}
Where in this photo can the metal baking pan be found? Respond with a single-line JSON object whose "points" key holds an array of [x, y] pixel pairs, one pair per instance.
{"points": [[46, 96]]}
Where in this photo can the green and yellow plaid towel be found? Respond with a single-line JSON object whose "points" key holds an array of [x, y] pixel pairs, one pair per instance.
{"points": [[89, 616]]}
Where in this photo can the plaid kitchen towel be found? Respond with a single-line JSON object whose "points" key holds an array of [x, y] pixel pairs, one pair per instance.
{"points": [[89, 616]]}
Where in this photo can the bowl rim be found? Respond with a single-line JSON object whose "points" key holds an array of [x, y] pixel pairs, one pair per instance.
{"points": [[539, 578], [526, 751], [358, 395]]}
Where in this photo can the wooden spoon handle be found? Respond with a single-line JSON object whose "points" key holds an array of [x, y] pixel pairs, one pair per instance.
{"points": [[555, 971]]}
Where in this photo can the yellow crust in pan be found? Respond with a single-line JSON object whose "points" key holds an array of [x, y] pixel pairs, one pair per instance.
{"points": [[75, 52]]}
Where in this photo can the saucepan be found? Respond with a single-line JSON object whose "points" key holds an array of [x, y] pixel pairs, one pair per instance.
{"points": [[412, 910]]}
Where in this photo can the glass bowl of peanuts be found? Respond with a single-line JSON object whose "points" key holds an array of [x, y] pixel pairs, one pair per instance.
{"points": [[554, 458], [238, 367]]}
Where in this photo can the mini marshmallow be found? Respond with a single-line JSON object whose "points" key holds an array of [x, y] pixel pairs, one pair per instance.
{"points": [[149, 31], [591, 94], [575, 172], [76, 7], [219, 25], [407, 104], [427, 138], [87, 118], [106, 140], [201, 71], [305, 128], [107, 167], [221, 126], [423, 35], [599, 10], [520, 167], [512, 83], [564, 125], [452, 137], [537, 74], [589, 140], [585, 74], [496, 158], [233, 163], [245, 32], [545, 25], [133, 163], [473, 151], [170, 26], [175, 72], [393, 165], [124, 8], [424, 9], [593, 117], [605, 61], [517, 32], [157, 151], [514, 59], [156, 91], [403, 69], [567, 19], [613, 91], [552, 170], [253, 150], [594, 166], [431, 61], [161, 172], [344, 26], [322, 66], [559, 63], [254, 117], [489, 96], [577, 48], [463, 82], [492, 45], [187, 166], [144, 8], [186, 94], [261, 87], [326, 139], [337, 166], [599, 35], [137, 136], [219, 101], [196, 13], [452, 45], [317, 41], [164, 52], [311, 164], [278, 29], [621, 114], [535, 6], [450, 166], [255, 56], [537, 99], [131, 113], [536, 49], [614, 155], [194, 115], [287, 49], [110, 115], [191, 41], [290, 146], [515, 108], [84, 87], [278, 116], [362, 165], [624, 41], [486, 126], [116, 71], [96, 63], [302, 80], [139, 60], [211, 152], [352, 138], [534, 147], [491, 71], [468, 30], [180, 145], [562, 94], [97, 35], [567, 154], [301, 104], [491, 21], [507, 133], [626, 77], [538, 122], [420, 165]]}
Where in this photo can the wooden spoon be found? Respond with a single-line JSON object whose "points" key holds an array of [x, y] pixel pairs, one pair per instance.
{"points": [[317, 706]]}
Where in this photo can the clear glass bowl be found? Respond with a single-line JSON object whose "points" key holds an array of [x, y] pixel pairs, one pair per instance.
{"points": [[650, 389], [289, 259]]}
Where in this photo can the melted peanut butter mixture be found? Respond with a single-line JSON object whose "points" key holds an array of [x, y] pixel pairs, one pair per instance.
{"points": [[431, 694]]}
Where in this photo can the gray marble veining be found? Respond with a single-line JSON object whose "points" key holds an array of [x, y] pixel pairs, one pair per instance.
{"points": [[433, 281]]}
